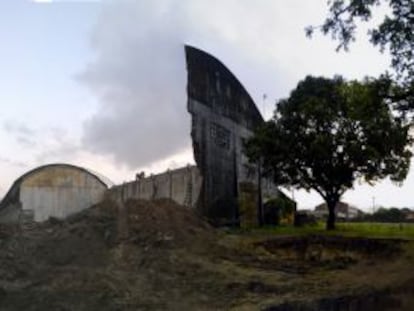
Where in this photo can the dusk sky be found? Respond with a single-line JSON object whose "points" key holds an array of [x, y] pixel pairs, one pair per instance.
{"points": [[101, 84]]}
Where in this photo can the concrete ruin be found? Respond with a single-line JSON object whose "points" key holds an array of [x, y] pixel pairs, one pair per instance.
{"points": [[223, 186], [223, 117], [54, 190]]}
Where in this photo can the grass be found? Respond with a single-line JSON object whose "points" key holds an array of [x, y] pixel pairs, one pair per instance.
{"points": [[365, 229], [391, 230]]}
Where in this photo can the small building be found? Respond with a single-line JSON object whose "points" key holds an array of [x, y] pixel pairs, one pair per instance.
{"points": [[54, 190], [342, 211]]}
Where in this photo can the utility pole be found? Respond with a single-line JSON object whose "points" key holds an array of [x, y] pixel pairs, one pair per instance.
{"points": [[264, 105]]}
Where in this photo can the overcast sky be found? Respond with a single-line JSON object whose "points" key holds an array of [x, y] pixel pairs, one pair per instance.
{"points": [[101, 84]]}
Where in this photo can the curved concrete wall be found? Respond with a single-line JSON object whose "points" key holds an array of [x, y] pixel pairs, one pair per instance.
{"points": [[54, 191]]}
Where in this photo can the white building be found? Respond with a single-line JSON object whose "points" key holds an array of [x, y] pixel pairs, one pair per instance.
{"points": [[342, 211]]}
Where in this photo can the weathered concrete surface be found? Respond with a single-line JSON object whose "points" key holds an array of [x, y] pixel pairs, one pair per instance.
{"points": [[181, 185], [56, 190], [223, 117]]}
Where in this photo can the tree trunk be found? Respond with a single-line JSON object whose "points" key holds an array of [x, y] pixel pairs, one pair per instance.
{"points": [[330, 223]]}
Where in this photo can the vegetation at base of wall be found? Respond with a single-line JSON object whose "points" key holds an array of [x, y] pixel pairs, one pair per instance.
{"points": [[279, 210]]}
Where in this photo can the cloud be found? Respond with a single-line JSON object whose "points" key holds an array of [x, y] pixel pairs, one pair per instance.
{"points": [[40, 145], [139, 77], [138, 70], [55, 145], [139, 74], [58, 151], [24, 135], [14, 127], [12, 162]]}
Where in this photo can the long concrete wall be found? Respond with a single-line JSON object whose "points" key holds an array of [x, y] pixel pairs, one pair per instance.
{"points": [[181, 185]]}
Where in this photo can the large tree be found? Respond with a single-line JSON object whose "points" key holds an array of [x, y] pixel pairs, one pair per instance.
{"points": [[395, 34], [330, 133]]}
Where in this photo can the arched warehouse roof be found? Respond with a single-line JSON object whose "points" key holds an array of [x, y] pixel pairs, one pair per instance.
{"points": [[52, 188]]}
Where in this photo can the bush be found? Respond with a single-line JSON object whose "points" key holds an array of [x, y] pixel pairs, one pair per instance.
{"points": [[279, 210]]}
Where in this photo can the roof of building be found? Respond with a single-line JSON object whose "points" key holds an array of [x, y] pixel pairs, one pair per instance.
{"points": [[13, 193], [341, 207]]}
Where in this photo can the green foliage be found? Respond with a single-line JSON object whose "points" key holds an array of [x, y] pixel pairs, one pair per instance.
{"points": [[387, 215], [279, 209], [395, 33], [328, 134], [285, 205]]}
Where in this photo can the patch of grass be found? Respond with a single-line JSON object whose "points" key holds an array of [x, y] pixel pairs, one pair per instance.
{"points": [[375, 229], [365, 229]]}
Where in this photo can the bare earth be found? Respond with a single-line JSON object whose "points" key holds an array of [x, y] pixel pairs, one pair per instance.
{"points": [[161, 256]]}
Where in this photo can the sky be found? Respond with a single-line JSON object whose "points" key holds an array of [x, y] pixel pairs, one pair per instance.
{"points": [[101, 84]]}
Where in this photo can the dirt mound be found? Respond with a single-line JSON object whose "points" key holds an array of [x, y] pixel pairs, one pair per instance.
{"points": [[163, 222], [109, 257], [87, 237], [158, 255]]}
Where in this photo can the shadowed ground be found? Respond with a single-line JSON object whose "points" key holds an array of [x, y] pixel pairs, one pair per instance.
{"points": [[160, 256]]}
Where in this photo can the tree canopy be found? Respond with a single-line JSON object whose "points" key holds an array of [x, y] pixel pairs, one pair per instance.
{"points": [[395, 33], [330, 133]]}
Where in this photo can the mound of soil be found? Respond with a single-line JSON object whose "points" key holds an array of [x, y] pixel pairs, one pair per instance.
{"points": [[158, 255], [109, 257], [163, 222]]}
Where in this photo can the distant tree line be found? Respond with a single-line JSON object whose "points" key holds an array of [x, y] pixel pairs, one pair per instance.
{"points": [[392, 214]]}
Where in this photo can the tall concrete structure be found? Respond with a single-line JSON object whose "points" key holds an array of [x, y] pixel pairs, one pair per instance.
{"points": [[223, 117], [55, 190], [223, 186]]}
